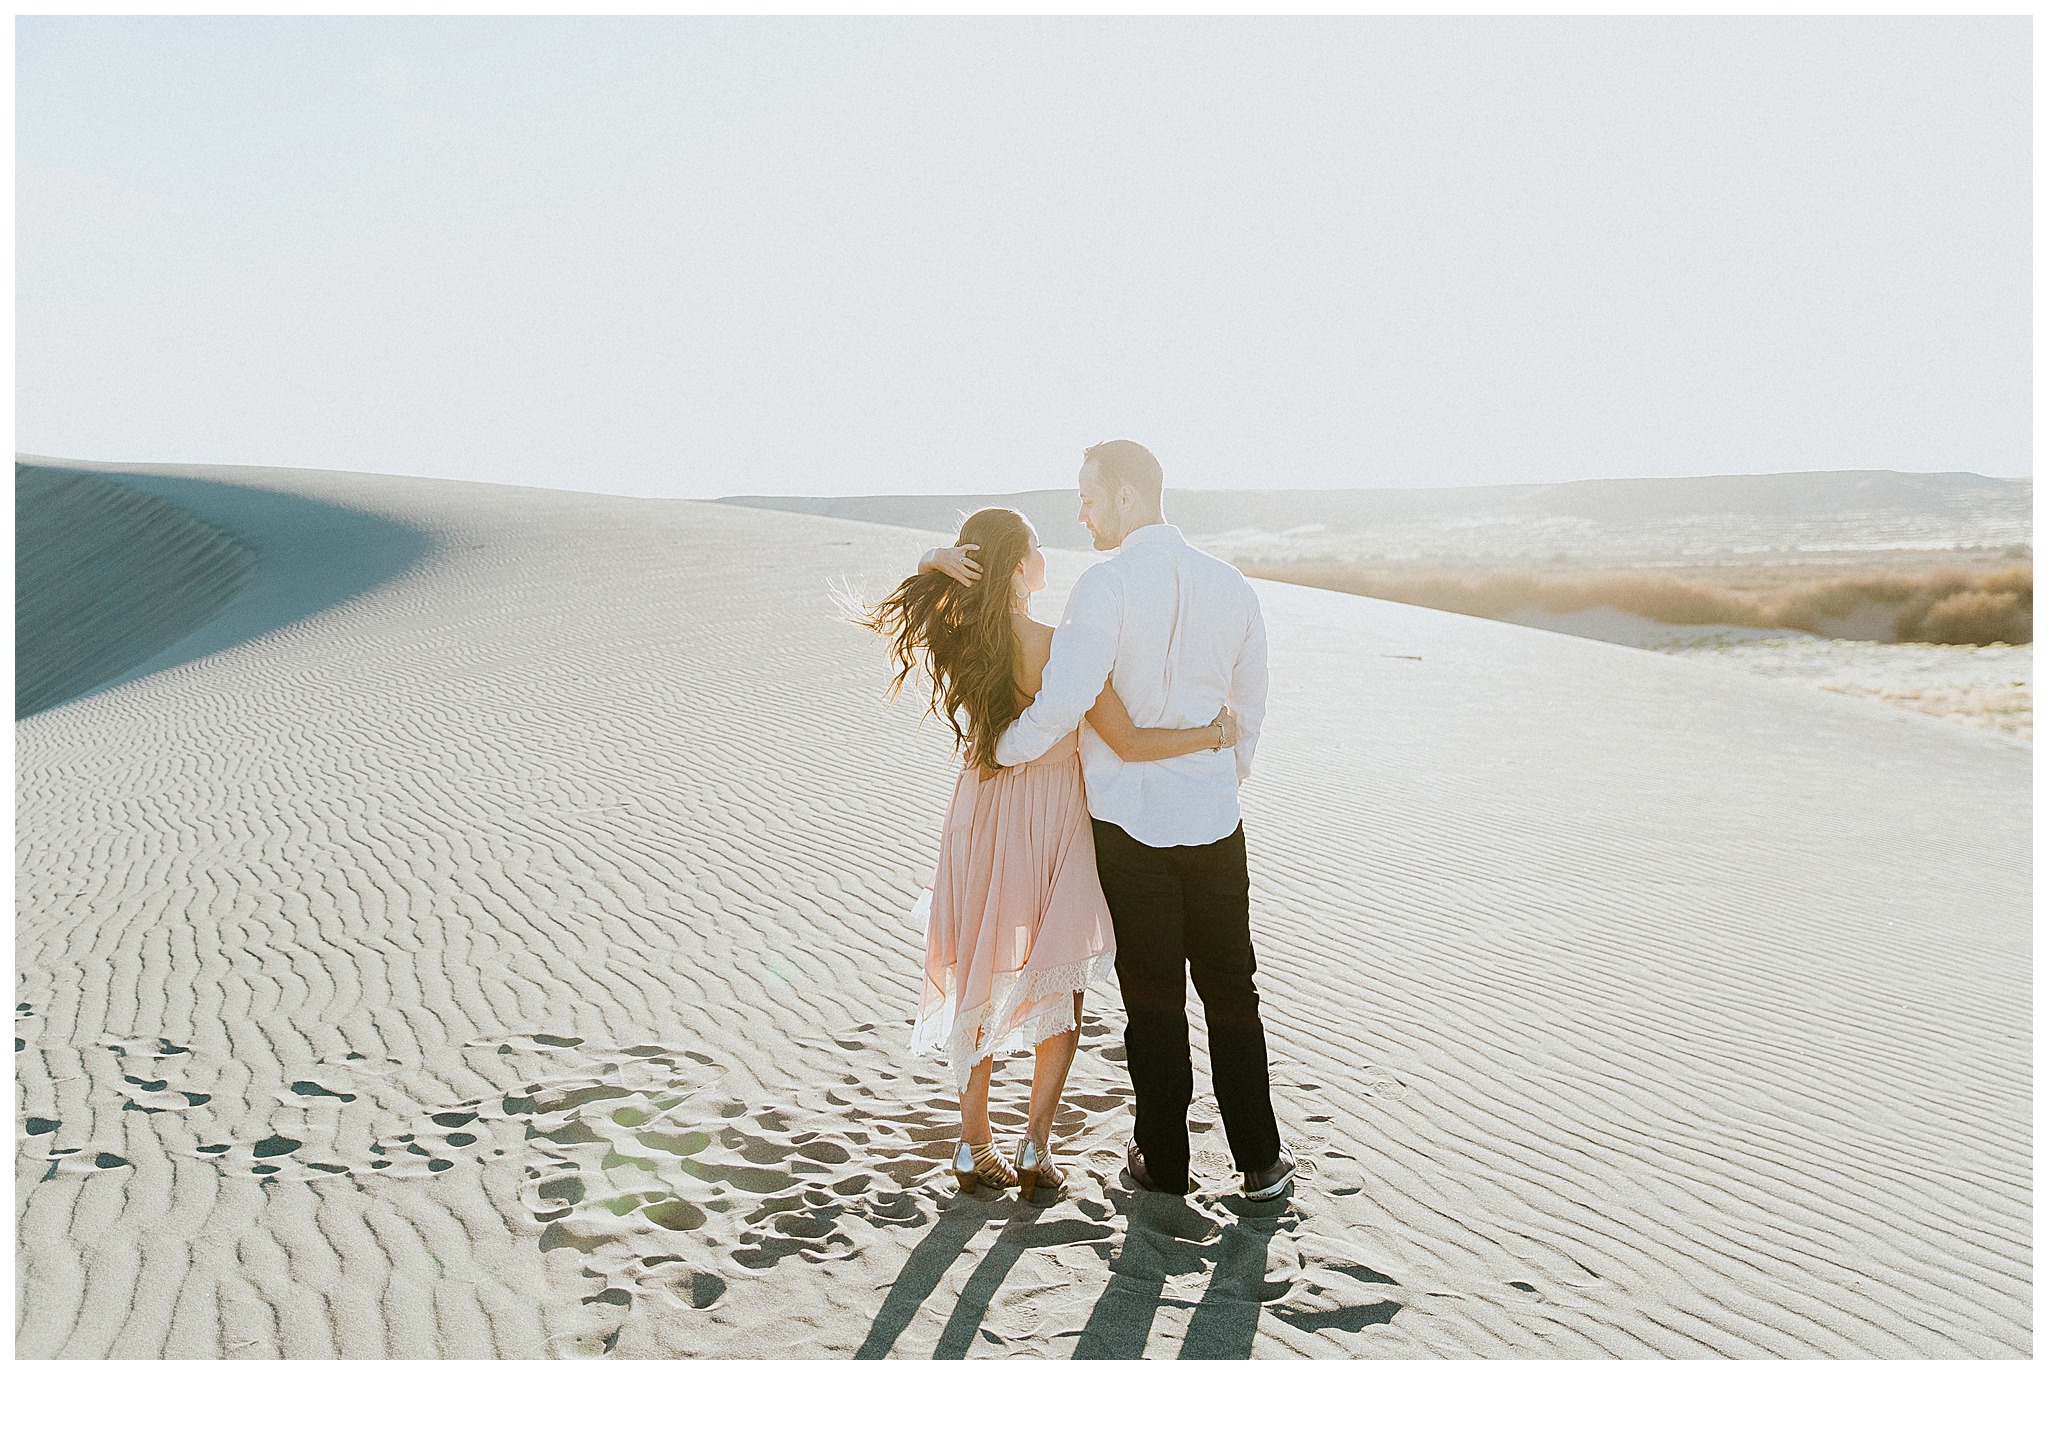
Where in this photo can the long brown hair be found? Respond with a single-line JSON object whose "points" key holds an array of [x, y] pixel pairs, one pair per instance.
{"points": [[961, 636]]}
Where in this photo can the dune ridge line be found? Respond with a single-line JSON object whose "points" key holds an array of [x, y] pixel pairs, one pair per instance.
{"points": [[104, 576]]}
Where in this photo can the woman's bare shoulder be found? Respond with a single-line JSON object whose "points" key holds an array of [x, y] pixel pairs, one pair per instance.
{"points": [[1034, 650], [1034, 634]]}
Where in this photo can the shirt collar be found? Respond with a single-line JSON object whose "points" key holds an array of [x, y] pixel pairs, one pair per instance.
{"points": [[1157, 532]]}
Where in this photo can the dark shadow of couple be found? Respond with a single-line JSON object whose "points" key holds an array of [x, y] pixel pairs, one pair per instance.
{"points": [[1163, 1237]]}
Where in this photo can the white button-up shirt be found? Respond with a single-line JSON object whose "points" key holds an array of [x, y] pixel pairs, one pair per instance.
{"points": [[1180, 634]]}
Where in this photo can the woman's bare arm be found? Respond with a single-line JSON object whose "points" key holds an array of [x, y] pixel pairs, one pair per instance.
{"points": [[1112, 723]]}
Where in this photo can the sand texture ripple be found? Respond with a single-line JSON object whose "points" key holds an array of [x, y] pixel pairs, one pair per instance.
{"points": [[105, 576], [482, 935]]}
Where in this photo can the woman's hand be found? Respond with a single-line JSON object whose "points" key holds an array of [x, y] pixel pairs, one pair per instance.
{"points": [[954, 562], [1227, 720]]}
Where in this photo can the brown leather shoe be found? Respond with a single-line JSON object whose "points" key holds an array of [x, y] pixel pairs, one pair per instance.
{"points": [[1135, 1163], [1272, 1180]]}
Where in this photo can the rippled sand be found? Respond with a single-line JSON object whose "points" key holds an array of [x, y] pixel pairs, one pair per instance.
{"points": [[482, 936]]}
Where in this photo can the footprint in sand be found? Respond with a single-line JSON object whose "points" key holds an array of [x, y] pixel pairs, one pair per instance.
{"points": [[69, 1160], [438, 1140], [667, 1191], [656, 1191], [308, 1092], [144, 1064], [410, 1140]]}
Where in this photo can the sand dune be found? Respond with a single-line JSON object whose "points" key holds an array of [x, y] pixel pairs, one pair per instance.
{"points": [[484, 938], [105, 576]]}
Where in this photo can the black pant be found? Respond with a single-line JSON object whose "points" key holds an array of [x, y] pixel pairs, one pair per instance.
{"points": [[1180, 912]]}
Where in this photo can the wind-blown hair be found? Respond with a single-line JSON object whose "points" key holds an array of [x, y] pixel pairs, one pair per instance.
{"points": [[961, 636]]}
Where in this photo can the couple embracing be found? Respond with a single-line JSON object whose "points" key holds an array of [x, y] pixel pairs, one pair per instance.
{"points": [[1068, 848]]}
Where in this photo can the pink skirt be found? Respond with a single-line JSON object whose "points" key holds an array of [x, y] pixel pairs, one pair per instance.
{"points": [[1017, 924]]}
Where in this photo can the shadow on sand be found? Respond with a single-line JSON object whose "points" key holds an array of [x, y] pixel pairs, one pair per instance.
{"points": [[1163, 1237], [310, 555], [1167, 1237]]}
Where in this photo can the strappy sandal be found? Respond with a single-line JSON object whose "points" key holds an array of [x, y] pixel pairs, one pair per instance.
{"points": [[1035, 1169], [978, 1164]]}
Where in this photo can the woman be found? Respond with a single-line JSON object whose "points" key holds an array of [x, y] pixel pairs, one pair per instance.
{"points": [[1017, 928]]}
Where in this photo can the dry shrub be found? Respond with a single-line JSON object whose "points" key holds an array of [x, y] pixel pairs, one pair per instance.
{"points": [[1952, 605], [1976, 617]]}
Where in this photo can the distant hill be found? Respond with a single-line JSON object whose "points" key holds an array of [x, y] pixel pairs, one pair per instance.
{"points": [[1605, 518]]}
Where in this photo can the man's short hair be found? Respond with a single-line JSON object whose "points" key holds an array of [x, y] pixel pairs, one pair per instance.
{"points": [[1122, 463]]}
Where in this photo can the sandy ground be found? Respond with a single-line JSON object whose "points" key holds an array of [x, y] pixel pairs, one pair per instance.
{"points": [[483, 936], [1990, 687], [1982, 687]]}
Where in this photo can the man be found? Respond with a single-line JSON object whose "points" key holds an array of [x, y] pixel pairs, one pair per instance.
{"points": [[1180, 632]]}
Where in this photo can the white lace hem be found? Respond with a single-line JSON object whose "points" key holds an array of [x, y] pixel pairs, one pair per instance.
{"points": [[941, 1031]]}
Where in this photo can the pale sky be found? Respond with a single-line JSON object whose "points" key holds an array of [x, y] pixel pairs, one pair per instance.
{"points": [[695, 257]]}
